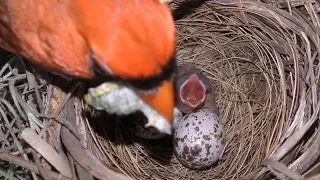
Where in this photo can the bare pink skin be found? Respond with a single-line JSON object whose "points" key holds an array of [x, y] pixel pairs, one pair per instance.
{"points": [[191, 88]]}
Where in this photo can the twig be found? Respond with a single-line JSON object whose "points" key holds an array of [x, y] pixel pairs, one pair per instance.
{"points": [[15, 139], [73, 169], [282, 168], [30, 166], [83, 173], [7, 134], [46, 151], [87, 160], [16, 102], [25, 106], [42, 172], [33, 84]]}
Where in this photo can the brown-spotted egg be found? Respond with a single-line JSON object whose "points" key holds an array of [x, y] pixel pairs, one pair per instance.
{"points": [[199, 139]]}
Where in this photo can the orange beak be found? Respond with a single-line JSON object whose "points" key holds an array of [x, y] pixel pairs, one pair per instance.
{"points": [[162, 101]]}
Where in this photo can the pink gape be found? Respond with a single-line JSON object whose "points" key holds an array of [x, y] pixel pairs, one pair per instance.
{"points": [[191, 89]]}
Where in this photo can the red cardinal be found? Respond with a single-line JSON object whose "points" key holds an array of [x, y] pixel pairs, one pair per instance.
{"points": [[132, 41]]}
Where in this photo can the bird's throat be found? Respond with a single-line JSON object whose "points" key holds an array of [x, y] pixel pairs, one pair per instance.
{"points": [[193, 92]]}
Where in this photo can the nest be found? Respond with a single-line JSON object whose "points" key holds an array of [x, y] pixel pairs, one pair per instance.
{"points": [[263, 61]]}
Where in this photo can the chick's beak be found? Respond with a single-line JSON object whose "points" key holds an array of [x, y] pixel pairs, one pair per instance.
{"points": [[162, 100]]}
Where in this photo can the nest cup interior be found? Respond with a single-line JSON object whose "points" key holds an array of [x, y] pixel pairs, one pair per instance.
{"points": [[251, 58]]}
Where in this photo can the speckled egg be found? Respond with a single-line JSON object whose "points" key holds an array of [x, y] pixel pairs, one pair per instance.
{"points": [[199, 139]]}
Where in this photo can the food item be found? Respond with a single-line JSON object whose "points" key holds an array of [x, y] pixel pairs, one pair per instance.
{"points": [[139, 129], [178, 115], [121, 100], [199, 139], [191, 89]]}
